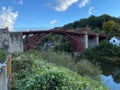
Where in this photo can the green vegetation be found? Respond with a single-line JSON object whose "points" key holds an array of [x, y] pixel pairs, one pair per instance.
{"points": [[60, 43], [104, 52], [32, 72], [3, 55], [82, 67], [111, 28], [48, 70], [104, 24], [93, 22]]}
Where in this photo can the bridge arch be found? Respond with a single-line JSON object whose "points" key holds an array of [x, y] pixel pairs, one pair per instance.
{"points": [[33, 38], [79, 40]]}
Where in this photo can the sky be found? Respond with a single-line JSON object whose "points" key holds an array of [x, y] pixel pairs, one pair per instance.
{"points": [[46, 14]]}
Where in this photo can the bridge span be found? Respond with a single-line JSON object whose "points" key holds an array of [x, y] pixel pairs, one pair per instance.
{"points": [[12, 42]]}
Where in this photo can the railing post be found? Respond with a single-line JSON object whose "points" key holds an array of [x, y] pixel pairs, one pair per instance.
{"points": [[9, 70], [5, 74]]}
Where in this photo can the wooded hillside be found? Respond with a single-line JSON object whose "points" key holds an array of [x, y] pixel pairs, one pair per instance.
{"points": [[104, 23]]}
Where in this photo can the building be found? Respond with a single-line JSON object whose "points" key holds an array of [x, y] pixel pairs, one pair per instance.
{"points": [[115, 41], [11, 42]]}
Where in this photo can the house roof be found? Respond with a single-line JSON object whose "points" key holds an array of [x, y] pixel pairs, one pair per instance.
{"points": [[117, 37]]}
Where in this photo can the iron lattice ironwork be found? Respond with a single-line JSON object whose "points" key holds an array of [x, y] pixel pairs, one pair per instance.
{"points": [[34, 37]]}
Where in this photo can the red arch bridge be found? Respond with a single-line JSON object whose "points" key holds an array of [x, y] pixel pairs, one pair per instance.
{"points": [[79, 40]]}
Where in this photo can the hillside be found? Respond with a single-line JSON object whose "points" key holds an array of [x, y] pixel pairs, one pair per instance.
{"points": [[100, 24], [93, 22]]}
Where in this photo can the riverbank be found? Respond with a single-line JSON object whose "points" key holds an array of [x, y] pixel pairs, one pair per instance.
{"points": [[105, 52], [33, 73]]}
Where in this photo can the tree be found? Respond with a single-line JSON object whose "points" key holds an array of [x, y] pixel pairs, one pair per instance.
{"points": [[93, 22], [115, 30], [108, 26], [111, 28]]}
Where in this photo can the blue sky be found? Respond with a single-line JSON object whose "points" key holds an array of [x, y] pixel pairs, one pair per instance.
{"points": [[43, 14]]}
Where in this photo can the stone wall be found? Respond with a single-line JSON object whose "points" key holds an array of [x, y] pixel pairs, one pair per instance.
{"points": [[11, 42], [15, 42]]}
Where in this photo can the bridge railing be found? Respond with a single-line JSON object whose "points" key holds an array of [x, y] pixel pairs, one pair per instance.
{"points": [[5, 73]]}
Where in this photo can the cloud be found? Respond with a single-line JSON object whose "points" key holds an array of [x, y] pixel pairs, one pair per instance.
{"points": [[20, 2], [64, 4], [48, 5], [83, 3], [53, 21], [90, 10], [7, 18]]}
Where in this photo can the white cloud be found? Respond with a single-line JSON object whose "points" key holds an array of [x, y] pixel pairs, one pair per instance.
{"points": [[53, 21], [83, 3], [7, 18], [48, 5], [20, 2], [90, 10], [64, 4]]}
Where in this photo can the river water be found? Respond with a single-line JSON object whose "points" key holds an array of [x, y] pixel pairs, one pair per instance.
{"points": [[111, 75]]}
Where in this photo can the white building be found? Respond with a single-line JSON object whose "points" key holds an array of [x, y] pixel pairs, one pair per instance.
{"points": [[115, 41]]}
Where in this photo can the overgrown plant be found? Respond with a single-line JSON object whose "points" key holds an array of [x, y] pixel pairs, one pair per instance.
{"points": [[46, 76], [104, 52], [82, 67], [3, 56]]}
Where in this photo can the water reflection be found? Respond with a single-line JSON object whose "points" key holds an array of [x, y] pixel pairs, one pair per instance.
{"points": [[112, 69], [110, 75], [108, 81]]}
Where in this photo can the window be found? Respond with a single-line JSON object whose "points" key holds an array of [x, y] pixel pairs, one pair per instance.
{"points": [[113, 40]]}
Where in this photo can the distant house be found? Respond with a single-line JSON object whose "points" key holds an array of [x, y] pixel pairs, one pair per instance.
{"points": [[115, 41]]}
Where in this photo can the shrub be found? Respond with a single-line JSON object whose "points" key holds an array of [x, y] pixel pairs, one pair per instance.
{"points": [[58, 80], [47, 76], [23, 66], [82, 67], [3, 56], [86, 68], [59, 58], [104, 52]]}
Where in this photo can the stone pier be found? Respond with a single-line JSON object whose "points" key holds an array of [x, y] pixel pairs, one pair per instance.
{"points": [[86, 40], [90, 40], [11, 42]]}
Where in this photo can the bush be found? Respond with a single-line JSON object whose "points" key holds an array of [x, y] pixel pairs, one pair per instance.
{"points": [[24, 66], [104, 52], [58, 80], [86, 68], [59, 58], [47, 76], [3, 56], [82, 67]]}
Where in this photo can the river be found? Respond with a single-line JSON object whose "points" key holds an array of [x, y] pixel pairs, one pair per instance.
{"points": [[111, 75]]}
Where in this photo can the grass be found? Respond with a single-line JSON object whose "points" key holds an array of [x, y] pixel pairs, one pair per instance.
{"points": [[82, 67]]}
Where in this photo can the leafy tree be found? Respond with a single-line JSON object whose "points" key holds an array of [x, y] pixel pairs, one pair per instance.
{"points": [[64, 46], [115, 30], [104, 52], [68, 26], [111, 28], [108, 26], [93, 22]]}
